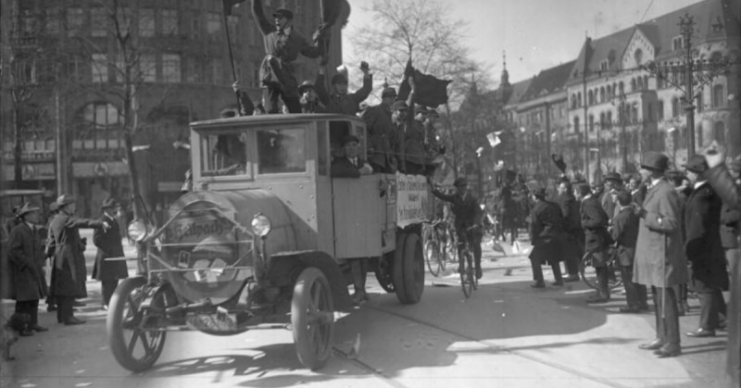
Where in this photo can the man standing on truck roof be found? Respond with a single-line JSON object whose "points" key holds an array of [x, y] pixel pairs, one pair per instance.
{"points": [[283, 44]]}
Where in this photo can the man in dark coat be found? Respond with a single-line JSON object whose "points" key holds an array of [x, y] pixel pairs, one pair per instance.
{"points": [[109, 245], [547, 236], [637, 189], [69, 272], [26, 261], [613, 185], [467, 212], [283, 44], [704, 249], [728, 188], [346, 103], [660, 259], [625, 233], [573, 250], [594, 221], [381, 133]]}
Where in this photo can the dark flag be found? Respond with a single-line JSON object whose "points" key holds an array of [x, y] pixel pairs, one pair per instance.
{"points": [[558, 160], [228, 4], [430, 91]]}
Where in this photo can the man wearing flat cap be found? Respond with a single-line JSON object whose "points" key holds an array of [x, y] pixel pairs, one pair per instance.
{"points": [[594, 222], [704, 249], [340, 100], [410, 132], [380, 131], [25, 269], [547, 235], [310, 101], [660, 260], [69, 272], [350, 164], [613, 185], [108, 242], [283, 44]]}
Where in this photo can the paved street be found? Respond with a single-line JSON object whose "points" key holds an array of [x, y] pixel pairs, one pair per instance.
{"points": [[507, 334]]}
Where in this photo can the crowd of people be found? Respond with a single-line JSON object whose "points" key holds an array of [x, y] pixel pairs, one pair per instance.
{"points": [[672, 233], [24, 276]]}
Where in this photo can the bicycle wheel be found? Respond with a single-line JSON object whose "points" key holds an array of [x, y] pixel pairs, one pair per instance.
{"points": [[467, 281], [589, 275], [432, 256]]}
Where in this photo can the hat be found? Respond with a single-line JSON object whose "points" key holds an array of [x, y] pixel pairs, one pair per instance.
{"points": [[26, 208], [109, 203], [655, 161], [282, 12], [536, 189], [305, 85], [350, 138], [399, 105], [697, 164], [65, 200], [53, 207], [420, 109], [613, 176], [388, 92], [339, 79], [460, 182]]}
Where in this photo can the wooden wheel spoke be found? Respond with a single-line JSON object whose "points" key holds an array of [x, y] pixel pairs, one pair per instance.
{"points": [[132, 341]]}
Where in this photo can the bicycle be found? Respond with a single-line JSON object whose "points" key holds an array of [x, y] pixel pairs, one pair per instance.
{"points": [[589, 275], [469, 281], [434, 249]]}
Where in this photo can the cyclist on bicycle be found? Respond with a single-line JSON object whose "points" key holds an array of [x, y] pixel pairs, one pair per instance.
{"points": [[465, 208], [597, 240]]}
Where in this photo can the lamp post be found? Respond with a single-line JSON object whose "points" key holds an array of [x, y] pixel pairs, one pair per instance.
{"points": [[622, 120], [687, 28]]}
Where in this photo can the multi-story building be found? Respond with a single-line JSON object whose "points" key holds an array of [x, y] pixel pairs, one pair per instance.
{"points": [[65, 56]]}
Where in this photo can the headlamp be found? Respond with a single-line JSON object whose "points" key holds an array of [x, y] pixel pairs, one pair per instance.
{"points": [[138, 230], [261, 225]]}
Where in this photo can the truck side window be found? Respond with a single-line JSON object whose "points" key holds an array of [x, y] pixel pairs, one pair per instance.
{"points": [[281, 151], [322, 150], [225, 155]]}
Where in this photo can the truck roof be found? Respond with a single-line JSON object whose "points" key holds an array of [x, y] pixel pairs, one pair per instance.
{"points": [[270, 119], [18, 193]]}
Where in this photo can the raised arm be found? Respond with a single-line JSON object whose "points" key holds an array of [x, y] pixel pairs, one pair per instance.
{"points": [[259, 14], [361, 94], [722, 182], [321, 86], [444, 197], [75, 222]]}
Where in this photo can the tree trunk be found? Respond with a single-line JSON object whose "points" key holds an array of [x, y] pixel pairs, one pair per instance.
{"points": [[452, 140], [17, 149]]}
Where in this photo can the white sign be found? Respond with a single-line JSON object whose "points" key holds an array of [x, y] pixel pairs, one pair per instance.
{"points": [[411, 199]]}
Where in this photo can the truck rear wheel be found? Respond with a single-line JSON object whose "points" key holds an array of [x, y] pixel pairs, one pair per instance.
{"points": [[397, 274], [312, 318], [414, 269], [384, 272]]}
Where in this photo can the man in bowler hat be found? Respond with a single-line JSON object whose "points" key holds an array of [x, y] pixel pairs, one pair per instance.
{"points": [[108, 242], [660, 260], [283, 44], [704, 248]]}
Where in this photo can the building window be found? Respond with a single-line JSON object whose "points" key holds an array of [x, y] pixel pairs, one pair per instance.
{"points": [[645, 81], [146, 22], [191, 73], [29, 23], [651, 113], [53, 24], [634, 113], [638, 56], [99, 68], [101, 115], [609, 92], [700, 102], [169, 22], [640, 83], [602, 94], [660, 80], [699, 138], [73, 69], [677, 43], [98, 20], [578, 99], [603, 65], [609, 119], [591, 123], [718, 96], [621, 88], [719, 132], [171, 68], [633, 85], [660, 110], [675, 107], [195, 25], [213, 23], [591, 97], [75, 20], [576, 124], [148, 67]]}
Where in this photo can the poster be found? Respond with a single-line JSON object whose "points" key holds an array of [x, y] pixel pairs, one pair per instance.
{"points": [[412, 199]]}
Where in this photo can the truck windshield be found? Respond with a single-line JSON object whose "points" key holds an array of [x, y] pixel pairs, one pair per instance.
{"points": [[226, 154], [281, 151]]}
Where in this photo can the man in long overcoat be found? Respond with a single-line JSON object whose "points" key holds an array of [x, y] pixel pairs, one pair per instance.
{"points": [[109, 245], [547, 235], [625, 233], [26, 261], [729, 190], [594, 221], [574, 247], [381, 133], [69, 271], [660, 260], [283, 44], [704, 248]]}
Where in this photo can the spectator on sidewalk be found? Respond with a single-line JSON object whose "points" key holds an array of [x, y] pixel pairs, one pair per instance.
{"points": [[625, 233], [660, 260], [70, 271], [109, 245], [26, 259], [547, 236], [574, 247]]}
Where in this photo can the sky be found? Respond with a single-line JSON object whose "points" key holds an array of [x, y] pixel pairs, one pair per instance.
{"points": [[536, 34]]}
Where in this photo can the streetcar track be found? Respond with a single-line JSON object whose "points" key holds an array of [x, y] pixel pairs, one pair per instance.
{"points": [[471, 339]]}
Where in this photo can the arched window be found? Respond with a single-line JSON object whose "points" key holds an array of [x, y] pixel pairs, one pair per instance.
{"points": [[578, 99], [101, 115], [609, 92], [573, 101], [591, 97], [609, 119], [622, 88], [700, 102], [645, 81], [639, 83], [576, 124], [660, 110], [718, 96], [719, 132], [675, 107], [699, 138], [602, 122], [632, 84], [638, 56], [591, 123], [602, 94], [634, 113]]}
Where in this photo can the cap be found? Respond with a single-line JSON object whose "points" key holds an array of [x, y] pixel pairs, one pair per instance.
{"points": [[26, 208], [339, 79], [697, 164], [388, 92], [613, 176], [282, 12], [460, 182], [399, 105], [109, 203], [306, 85], [349, 139], [64, 200]]}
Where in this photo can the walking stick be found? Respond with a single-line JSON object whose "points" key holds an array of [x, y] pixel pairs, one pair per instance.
{"points": [[231, 59]]}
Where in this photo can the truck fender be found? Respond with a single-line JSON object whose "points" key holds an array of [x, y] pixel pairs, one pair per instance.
{"points": [[282, 265]]}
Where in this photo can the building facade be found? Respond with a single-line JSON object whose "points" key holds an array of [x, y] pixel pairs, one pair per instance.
{"points": [[69, 69]]}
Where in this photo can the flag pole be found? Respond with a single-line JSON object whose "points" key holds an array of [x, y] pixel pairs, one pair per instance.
{"points": [[231, 57]]}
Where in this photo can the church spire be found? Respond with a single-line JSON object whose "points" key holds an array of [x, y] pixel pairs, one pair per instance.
{"points": [[505, 75]]}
